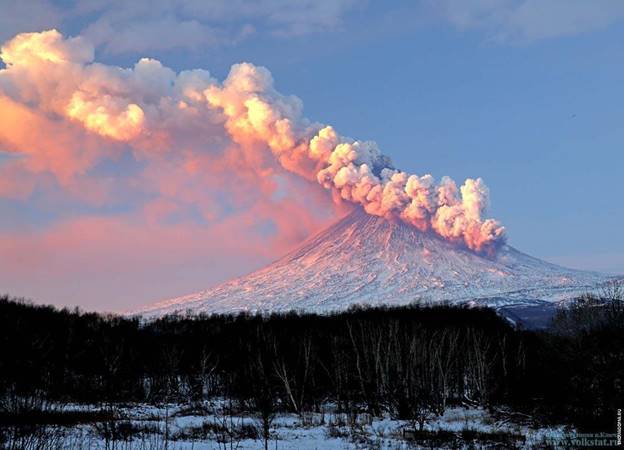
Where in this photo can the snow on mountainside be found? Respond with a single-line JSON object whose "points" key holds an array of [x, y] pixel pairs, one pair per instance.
{"points": [[363, 259]]}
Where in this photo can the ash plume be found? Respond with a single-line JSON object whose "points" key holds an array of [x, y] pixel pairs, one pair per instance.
{"points": [[147, 106]]}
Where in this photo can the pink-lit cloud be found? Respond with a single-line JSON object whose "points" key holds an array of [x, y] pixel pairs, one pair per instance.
{"points": [[113, 263], [211, 168]]}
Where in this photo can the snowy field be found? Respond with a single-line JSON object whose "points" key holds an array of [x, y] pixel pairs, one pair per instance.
{"points": [[220, 426]]}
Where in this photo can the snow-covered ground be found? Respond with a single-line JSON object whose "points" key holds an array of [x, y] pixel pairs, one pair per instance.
{"points": [[210, 426]]}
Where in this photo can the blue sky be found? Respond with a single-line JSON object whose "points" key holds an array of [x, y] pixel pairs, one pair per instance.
{"points": [[527, 95], [540, 119]]}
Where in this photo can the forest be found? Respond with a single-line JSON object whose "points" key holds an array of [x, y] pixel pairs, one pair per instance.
{"points": [[410, 362]]}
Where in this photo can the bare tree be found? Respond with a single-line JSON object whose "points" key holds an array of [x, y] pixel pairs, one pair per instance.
{"points": [[262, 396], [227, 423], [294, 379], [479, 365]]}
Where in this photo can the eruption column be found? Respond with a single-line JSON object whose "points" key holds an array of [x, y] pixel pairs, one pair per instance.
{"points": [[147, 105]]}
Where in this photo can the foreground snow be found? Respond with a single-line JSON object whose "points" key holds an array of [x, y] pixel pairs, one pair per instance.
{"points": [[364, 259], [176, 427]]}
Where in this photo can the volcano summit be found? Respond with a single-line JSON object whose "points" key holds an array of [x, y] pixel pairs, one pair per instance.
{"points": [[363, 259]]}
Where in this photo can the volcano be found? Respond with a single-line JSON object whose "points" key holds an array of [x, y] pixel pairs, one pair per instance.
{"points": [[369, 260]]}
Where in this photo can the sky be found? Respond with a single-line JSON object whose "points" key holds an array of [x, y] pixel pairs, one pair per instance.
{"points": [[120, 187]]}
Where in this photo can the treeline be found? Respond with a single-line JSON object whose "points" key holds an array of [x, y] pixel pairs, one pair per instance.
{"points": [[411, 362]]}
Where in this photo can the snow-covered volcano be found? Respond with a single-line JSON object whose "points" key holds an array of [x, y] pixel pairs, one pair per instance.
{"points": [[362, 259]]}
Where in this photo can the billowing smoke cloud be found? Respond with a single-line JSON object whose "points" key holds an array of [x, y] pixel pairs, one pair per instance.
{"points": [[150, 106], [356, 170]]}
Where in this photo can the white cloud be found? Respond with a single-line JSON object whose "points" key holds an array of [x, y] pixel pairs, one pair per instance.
{"points": [[530, 20], [18, 16], [137, 26], [120, 26]]}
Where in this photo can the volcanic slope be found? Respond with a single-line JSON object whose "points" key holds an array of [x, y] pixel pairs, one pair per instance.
{"points": [[363, 259]]}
